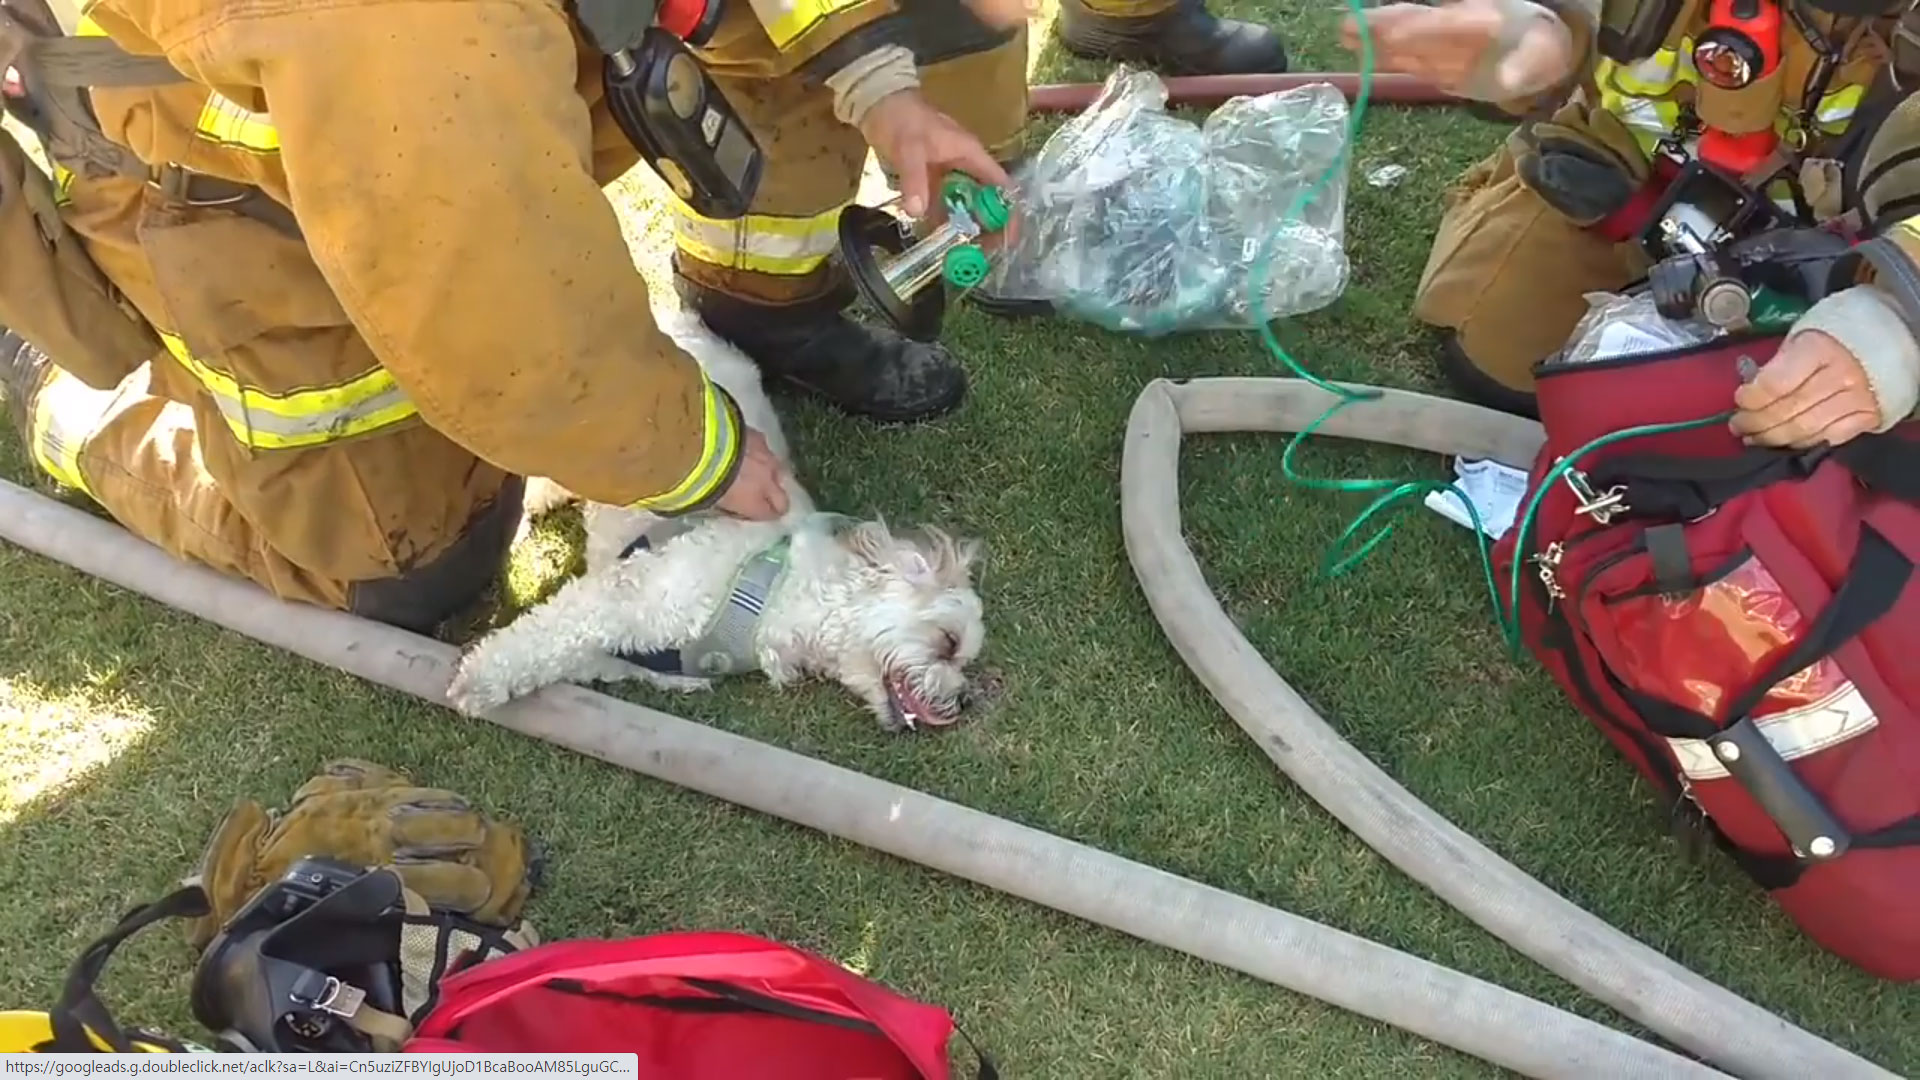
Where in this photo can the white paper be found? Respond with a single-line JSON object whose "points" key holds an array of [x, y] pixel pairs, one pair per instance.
{"points": [[1626, 339], [1495, 490]]}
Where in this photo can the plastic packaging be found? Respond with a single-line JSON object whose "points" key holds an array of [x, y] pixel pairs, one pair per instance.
{"points": [[1140, 221], [1617, 325]]}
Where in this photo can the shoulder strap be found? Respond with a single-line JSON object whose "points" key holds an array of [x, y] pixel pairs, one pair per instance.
{"points": [[79, 1011], [56, 70], [1904, 45], [96, 61]]}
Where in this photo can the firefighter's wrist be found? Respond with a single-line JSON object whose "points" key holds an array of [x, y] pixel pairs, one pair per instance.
{"points": [[863, 83], [1866, 322], [722, 449]]}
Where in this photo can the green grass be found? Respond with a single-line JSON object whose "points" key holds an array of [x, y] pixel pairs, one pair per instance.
{"points": [[126, 729]]}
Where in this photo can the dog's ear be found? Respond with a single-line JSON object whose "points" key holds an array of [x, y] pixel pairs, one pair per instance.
{"points": [[873, 543], [869, 541], [951, 560]]}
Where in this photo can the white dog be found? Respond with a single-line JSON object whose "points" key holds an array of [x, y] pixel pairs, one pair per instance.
{"points": [[893, 618]]}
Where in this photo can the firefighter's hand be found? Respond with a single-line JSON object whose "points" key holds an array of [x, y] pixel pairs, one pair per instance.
{"points": [[758, 491], [1813, 391], [1484, 50], [1001, 14], [922, 145]]}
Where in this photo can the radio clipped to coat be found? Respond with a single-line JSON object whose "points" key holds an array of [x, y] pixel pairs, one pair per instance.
{"points": [[668, 106]]}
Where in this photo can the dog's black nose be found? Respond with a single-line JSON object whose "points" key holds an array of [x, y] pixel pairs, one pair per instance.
{"points": [[964, 701]]}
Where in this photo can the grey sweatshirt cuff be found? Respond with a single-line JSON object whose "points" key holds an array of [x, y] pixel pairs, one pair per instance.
{"points": [[860, 85], [1868, 325], [1490, 80]]}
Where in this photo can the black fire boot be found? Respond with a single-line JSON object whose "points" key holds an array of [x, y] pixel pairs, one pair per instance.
{"points": [[1186, 39], [23, 369], [867, 371]]}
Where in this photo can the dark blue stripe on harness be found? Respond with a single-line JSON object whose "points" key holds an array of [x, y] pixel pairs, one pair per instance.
{"points": [[666, 661]]}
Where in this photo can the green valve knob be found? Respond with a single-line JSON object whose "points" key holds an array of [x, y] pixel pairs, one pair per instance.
{"points": [[990, 209], [966, 267], [958, 188]]}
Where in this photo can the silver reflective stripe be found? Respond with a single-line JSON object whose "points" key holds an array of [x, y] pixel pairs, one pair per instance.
{"points": [[1837, 718], [313, 427]]}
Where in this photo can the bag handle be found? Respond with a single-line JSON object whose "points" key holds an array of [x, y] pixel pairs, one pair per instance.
{"points": [[79, 1009], [750, 999]]}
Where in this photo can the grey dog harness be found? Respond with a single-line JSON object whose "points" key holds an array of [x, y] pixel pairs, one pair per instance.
{"points": [[725, 647]]}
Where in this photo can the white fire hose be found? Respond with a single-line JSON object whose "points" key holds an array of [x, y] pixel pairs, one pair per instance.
{"points": [[1445, 1006]]}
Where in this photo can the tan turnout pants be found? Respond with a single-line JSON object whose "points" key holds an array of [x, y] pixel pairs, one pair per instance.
{"points": [[1507, 273], [779, 253]]}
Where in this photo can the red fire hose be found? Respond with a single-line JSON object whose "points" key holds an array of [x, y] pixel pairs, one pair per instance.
{"points": [[1214, 89]]}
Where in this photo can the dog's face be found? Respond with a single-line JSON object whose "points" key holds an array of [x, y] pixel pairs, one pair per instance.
{"points": [[910, 624]]}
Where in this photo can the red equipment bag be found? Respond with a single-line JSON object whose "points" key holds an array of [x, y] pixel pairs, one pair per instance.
{"points": [[1737, 622], [693, 1006]]}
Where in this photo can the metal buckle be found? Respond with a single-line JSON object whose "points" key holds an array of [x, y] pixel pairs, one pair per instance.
{"points": [[176, 183], [336, 998], [1602, 507]]}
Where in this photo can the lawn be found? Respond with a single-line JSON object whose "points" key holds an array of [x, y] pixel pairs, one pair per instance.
{"points": [[126, 729]]}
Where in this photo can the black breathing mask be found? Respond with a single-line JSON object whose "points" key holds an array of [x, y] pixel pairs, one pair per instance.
{"points": [[291, 970]]}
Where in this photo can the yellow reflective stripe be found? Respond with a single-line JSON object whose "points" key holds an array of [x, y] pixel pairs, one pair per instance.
{"points": [[719, 446], [88, 28], [62, 185], [226, 122], [266, 421], [1649, 121], [1837, 108], [759, 242], [1657, 74], [786, 21], [54, 447]]}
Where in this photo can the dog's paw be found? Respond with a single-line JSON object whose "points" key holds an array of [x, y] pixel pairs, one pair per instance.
{"points": [[474, 690]]}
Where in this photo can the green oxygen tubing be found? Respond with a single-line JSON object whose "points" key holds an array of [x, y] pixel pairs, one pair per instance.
{"points": [[1393, 494]]}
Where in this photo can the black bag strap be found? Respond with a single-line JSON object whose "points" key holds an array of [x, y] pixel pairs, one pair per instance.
{"points": [[1667, 486], [79, 1009]]}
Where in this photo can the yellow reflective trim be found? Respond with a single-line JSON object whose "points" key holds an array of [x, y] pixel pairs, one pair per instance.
{"points": [[88, 28], [56, 451], [312, 417], [1649, 121], [1657, 74], [1837, 109], [62, 185], [787, 21], [226, 122], [719, 446], [759, 242]]}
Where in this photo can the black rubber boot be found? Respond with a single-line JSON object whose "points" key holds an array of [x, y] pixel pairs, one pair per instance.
{"points": [[1479, 387], [866, 371], [1184, 40], [22, 369]]}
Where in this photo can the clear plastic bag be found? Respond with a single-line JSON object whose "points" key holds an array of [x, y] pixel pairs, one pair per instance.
{"points": [[1617, 325], [1140, 221]]}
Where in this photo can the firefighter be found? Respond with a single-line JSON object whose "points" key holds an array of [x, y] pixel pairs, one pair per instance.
{"points": [[1851, 364], [1521, 238], [383, 284]]}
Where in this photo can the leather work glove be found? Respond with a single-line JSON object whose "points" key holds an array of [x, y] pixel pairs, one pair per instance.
{"points": [[1582, 161], [452, 855]]}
